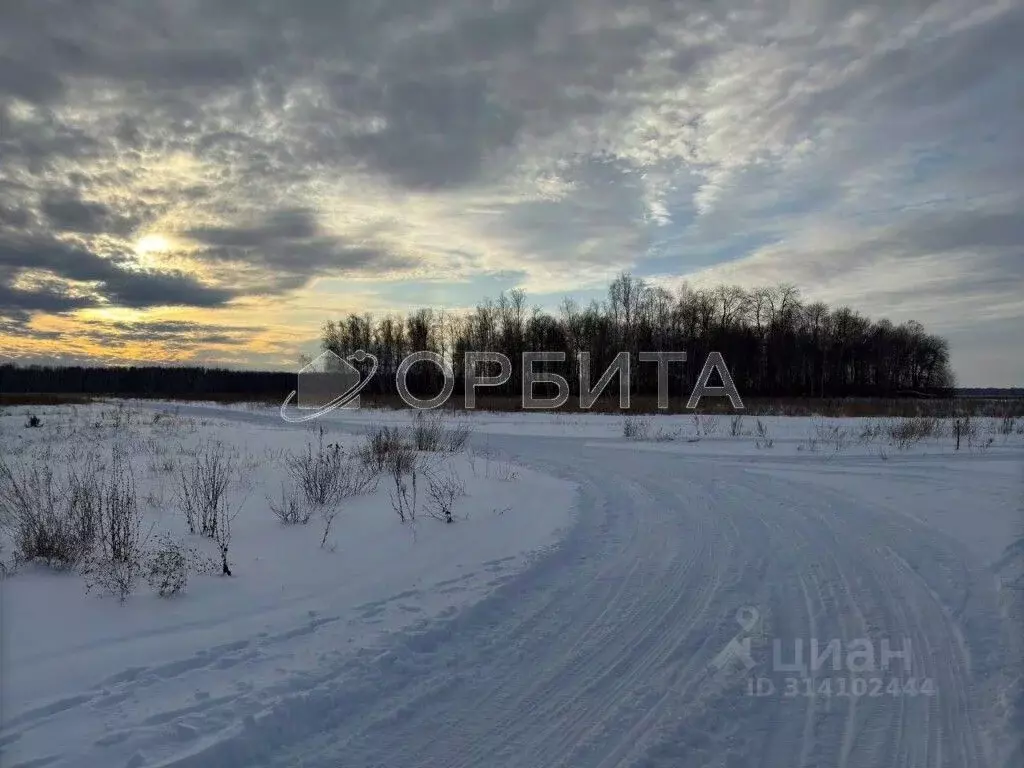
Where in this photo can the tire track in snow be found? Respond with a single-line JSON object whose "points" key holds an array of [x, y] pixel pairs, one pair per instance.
{"points": [[598, 653], [899, 602]]}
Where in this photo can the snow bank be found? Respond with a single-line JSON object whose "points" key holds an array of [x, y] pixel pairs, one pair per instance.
{"points": [[84, 675]]}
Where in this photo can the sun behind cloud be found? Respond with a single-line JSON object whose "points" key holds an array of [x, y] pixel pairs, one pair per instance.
{"points": [[279, 167], [152, 243]]}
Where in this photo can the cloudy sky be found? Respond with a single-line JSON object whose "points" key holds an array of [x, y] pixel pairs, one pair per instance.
{"points": [[186, 180]]}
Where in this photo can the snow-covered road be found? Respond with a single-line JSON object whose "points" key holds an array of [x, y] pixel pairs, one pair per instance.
{"points": [[601, 654], [612, 649]]}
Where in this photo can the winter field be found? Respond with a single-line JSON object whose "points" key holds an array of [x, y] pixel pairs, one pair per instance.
{"points": [[507, 589]]}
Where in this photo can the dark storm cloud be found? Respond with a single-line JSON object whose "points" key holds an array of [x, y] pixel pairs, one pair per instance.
{"points": [[14, 301], [140, 290], [119, 283], [65, 212], [18, 304], [290, 247]]}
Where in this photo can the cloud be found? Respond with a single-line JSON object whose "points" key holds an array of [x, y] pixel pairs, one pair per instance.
{"points": [[197, 334], [118, 281], [18, 303], [65, 212], [21, 79], [844, 146], [289, 249]]}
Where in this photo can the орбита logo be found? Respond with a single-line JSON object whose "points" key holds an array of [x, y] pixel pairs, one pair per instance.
{"points": [[331, 381], [327, 383]]}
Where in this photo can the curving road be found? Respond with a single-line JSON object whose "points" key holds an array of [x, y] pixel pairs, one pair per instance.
{"points": [[611, 650]]}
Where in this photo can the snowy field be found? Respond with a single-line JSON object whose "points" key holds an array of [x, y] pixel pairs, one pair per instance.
{"points": [[644, 591]]}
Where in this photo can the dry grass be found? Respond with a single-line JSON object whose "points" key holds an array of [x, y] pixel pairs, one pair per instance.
{"points": [[782, 406], [13, 399], [907, 407]]}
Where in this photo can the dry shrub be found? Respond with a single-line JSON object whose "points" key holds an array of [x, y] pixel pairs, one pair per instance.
{"points": [[636, 428]]}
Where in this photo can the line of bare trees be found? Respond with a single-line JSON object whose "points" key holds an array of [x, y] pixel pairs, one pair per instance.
{"points": [[146, 381], [774, 343]]}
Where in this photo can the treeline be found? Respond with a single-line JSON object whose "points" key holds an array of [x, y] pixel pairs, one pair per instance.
{"points": [[774, 343], [147, 381]]}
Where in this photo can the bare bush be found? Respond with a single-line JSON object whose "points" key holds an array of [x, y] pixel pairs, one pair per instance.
{"points": [[427, 432], [317, 473], [222, 535], [155, 498], [839, 439], [910, 430], [831, 435], [762, 439], [85, 495], [506, 472], [870, 432], [291, 510], [401, 461], [443, 490], [983, 444], [705, 424], [120, 530], [404, 471], [736, 425], [54, 521], [381, 443], [456, 438], [965, 428], [162, 465], [117, 561], [356, 478], [903, 434], [328, 514], [666, 435], [168, 567], [325, 477], [203, 488], [636, 428]]}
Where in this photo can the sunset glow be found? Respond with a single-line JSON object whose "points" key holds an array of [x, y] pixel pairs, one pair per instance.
{"points": [[435, 155]]}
